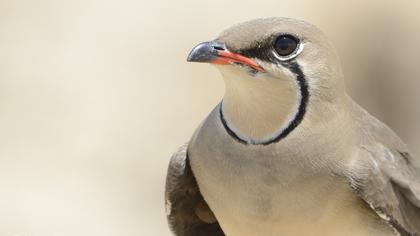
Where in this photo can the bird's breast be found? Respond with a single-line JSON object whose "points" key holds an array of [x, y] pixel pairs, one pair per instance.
{"points": [[253, 199], [274, 190]]}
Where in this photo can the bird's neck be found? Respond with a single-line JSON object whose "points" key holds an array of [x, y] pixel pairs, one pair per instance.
{"points": [[258, 110]]}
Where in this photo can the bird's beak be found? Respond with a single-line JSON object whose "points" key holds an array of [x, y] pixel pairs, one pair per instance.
{"points": [[212, 52]]}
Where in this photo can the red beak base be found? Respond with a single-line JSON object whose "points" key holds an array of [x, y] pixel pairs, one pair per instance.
{"points": [[226, 57]]}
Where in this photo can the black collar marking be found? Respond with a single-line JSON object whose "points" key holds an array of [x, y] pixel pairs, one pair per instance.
{"points": [[294, 67]]}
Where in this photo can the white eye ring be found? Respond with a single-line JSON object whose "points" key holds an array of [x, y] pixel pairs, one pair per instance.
{"points": [[298, 50]]}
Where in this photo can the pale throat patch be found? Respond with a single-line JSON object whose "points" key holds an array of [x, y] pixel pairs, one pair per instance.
{"points": [[258, 109]]}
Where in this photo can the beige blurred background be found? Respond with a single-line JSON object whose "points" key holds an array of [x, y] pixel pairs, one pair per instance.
{"points": [[96, 95]]}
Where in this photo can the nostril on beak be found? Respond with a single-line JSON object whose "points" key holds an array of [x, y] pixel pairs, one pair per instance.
{"points": [[219, 48]]}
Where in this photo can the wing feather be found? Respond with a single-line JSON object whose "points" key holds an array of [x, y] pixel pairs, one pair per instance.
{"points": [[187, 212], [389, 177]]}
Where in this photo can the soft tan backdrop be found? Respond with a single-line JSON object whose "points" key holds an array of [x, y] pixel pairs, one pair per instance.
{"points": [[95, 95]]}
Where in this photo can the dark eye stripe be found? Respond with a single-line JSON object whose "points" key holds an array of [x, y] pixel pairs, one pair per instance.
{"points": [[266, 50], [260, 50]]}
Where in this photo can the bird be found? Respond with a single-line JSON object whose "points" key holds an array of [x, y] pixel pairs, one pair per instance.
{"points": [[287, 151]]}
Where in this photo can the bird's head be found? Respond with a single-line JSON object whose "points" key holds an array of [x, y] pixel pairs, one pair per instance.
{"points": [[273, 68]]}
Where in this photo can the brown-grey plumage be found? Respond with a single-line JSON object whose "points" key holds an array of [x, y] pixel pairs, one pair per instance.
{"points": [[390, 179], [287, 151], [187, 212]]}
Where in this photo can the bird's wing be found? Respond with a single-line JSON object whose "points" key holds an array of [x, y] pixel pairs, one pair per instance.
{"points": [[389, 178], [187, 212]]}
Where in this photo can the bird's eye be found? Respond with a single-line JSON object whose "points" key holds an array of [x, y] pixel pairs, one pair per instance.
{"points": [[285, 45]]}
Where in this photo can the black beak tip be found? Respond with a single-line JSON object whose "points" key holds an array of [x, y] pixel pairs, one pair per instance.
{"points": [[203, 52]]}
